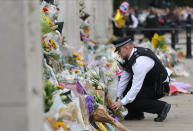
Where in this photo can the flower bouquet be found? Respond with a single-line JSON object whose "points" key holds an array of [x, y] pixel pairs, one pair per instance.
{"points": [[159, 42], [101, 115]]}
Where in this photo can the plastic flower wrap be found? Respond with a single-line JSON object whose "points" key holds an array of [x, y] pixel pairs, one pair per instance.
{"points": [[79, 113], [65, 76], [49, 73], [108, 102], [80, 89], [94, 78], [76, 60], [51, 43], [180, 71], [69, 112], [52, 12], [146, 44]]}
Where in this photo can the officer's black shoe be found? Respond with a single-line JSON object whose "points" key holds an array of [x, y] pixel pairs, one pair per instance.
{"points": [[162, 116], [130, 116]]}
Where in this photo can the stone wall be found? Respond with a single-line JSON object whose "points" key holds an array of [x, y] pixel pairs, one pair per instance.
{"points": [[100, 14], [21, 103], [69, 14]]}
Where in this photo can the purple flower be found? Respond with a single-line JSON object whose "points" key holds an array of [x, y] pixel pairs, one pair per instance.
{"points": [[115, 118], [90, 104]]}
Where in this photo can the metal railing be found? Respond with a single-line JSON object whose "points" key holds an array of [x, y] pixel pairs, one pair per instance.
{"points": [[174, 33]]}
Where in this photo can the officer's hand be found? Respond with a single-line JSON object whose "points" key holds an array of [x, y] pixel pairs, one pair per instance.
{"points": [[116, 105]]}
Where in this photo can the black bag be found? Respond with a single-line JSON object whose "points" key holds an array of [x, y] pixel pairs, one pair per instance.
{"points": [[161, 89]]}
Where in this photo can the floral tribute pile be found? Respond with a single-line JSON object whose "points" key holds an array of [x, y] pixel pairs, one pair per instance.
{"points": [[169, 57], [78, 86]]}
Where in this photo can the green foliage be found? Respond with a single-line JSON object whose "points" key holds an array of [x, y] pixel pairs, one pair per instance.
{"points": [[45, 24], [64, 97], [119, 114], [98, 98], [48, 95], [55, 56]]}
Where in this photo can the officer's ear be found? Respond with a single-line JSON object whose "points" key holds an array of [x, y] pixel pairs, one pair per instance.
{"points": [[126, 46], [129, 45]]}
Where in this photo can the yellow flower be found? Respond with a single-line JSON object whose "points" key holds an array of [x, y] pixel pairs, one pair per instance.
{"points": [[53, 44], [48, 9], [82, 60], [154, 42], [49, 20], [59, 124], [164, 47], [87, 29], [112, 49], [75, 54], [180, 54], [80, 64], [47, 50], [58, 86], [76, 71], [78, 58], [102, 127], [155, 36], [45, 43], [49, 118], [61, 110]]}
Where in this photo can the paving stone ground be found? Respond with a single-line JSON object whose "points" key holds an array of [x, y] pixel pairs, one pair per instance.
{"points": [[180, 117]]}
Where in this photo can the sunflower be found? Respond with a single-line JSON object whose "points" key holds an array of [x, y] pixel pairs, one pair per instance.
{"points": [[79, 63], [75, 54], [156, 36], [59, 124], [180, 54], [159, 42], [75, 71], [154, 42], [164, 47], [78, 58]]}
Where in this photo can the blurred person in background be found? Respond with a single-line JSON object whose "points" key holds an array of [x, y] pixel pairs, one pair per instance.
{"points": [[131, 24], [124, 22], [152, 21]]}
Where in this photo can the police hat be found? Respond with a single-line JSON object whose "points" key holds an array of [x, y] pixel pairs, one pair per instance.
{"points": [[121, 42]]}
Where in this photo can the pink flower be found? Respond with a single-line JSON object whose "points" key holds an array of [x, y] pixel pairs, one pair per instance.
{"points": [[62, 84]]}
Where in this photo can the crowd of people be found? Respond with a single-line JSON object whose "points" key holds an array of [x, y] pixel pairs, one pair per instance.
{"points": [[165, 17], [149, 18]]}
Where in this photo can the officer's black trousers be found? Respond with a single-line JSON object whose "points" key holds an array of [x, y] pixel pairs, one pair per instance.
{"points": [[145, 105], [145, 102]]}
